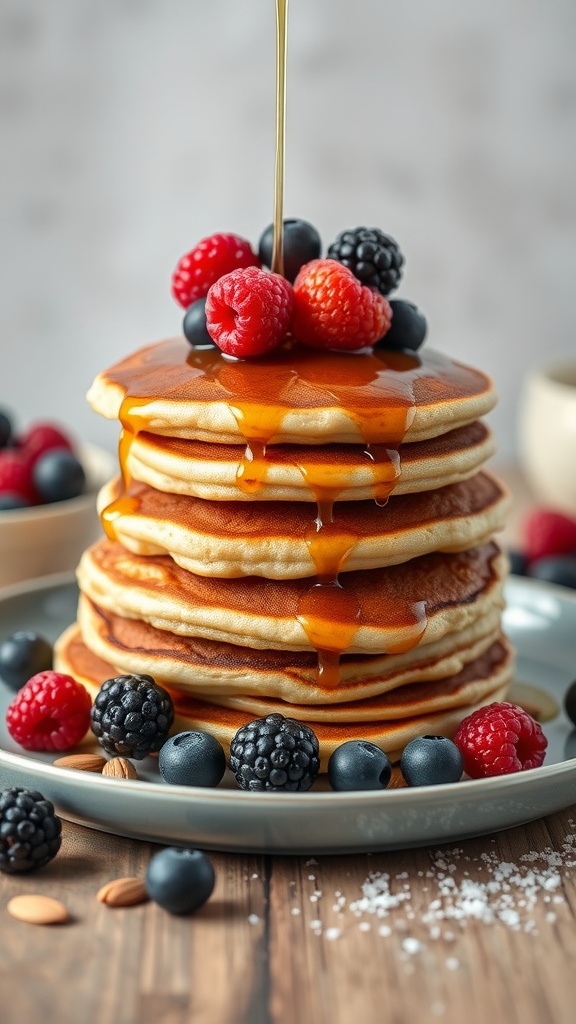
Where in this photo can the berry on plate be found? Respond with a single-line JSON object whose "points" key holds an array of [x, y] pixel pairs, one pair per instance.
{"points": [[194, 325], [358, 764], [58, 475], [561, 570], [570, 702], [275, 753], [192, 759], [499, 739], [372, 256], [431, 761], [5, 428], [300, 244], [408, 328], [51, 712], [180, 880], [30, 831], [333, 310], [132, 715], [548, 533], [208, 261], [22, 655], [248, 312]]}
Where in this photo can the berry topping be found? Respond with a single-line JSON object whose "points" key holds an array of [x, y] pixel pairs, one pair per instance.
{"points": [[132, 716], [408, 328], [22, 655], [358, 764], [333, 310], [206, 263], [559, 570], [373, 257], [51, 712], [180, 880], [431, 761], [58, 475], [194, 325], [570, 702], [499, 739], [5, 429], [41, 438], [9, 502], [248, 312], [192, 759], [275, 753], [16, 476], [548, 533], [30, 832], [300, 244], [518, 563]]}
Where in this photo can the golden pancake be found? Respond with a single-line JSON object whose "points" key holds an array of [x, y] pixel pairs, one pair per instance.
{"points": [[274, 539]]}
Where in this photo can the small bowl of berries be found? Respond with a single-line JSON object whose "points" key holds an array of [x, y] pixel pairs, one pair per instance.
{"points": [[48, 487]]}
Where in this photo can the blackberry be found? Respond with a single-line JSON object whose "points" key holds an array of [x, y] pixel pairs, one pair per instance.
{"points": [[132, 716], [30, 832], [275, 754], [373, 257]]}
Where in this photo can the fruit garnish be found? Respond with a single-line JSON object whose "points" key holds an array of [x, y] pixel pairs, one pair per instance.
{"points": [[358, 764], [248, 312], [132, 716], [16, 477], [548, 533], [51, 712], [301, 243], [333, 310], [570, 702], [194, 325], [213, 257], [180, 880], [560, 569], [41, 438], [499, 739], [30, 831], [192, 758], [58, 475], [276, 754], [22, 655], [5, 429], [408, 328], [431, 761], [372, 256]]}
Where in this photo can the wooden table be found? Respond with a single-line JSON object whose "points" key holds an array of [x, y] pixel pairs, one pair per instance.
{"points": [[280, 941]]}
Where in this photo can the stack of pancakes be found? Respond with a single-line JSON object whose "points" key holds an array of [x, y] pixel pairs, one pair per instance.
{"points": [[305, 532]]}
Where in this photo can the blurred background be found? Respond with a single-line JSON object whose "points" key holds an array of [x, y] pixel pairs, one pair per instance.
{"points": [[130, 129]]}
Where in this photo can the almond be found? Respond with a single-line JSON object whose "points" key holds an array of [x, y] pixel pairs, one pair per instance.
{"points": [[123, 892], [82, 762], [36, 909], [120, 768]]}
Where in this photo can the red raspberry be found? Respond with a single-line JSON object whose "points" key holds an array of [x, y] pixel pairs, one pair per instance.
{"points": [[51, 712], [332, 309], [41, 438], [206, 263], [16, 476], [499, 739], [248, 311], [548, 533]]}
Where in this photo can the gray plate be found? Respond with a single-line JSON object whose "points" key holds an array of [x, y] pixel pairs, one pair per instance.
{"points": [[540, 620]]}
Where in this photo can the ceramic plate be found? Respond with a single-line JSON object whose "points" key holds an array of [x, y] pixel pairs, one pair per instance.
{"points": [[540, 620]]}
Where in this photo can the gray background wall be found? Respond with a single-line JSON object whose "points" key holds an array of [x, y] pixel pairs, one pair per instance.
{"points": [[132, 128]]}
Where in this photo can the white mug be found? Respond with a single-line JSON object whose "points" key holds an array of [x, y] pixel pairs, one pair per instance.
{"points": [[548, 436]]}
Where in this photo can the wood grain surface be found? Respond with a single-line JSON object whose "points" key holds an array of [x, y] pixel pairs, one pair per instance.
{"points": [[278, 941]]}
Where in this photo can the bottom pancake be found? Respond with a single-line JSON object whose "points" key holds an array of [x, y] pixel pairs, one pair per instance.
{"points": [[390, 720]]}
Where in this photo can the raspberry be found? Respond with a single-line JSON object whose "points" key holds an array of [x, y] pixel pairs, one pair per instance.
{"points": [[51, 712], [248, 311], [499, 739], [206, 263], [332, 309], [16, 476], [548, 533], [41, 438]]}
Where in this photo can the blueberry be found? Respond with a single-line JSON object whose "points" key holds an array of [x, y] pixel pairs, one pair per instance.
{"points": [[570, 702], [408, 328], [194, 325], [5, 429], [358, 764], [180, 880], [22, 655], [192, 759], [518, 563], [11, 500], [58, 475], [559, 569], [301, 243], [430, 761]]}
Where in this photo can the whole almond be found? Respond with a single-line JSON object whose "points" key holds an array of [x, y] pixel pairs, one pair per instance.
{"points": [[123, 892], [120, 768], [37, 909], [82, 762]]}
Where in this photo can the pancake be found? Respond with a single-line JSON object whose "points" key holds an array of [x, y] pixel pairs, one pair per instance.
{"points": [[374, 611], [344, 472], [294, 395], [382, 720], [211, 668], [274, 539]]}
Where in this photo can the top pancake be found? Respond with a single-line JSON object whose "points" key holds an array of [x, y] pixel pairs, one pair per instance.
{"points": [[294, 395]]}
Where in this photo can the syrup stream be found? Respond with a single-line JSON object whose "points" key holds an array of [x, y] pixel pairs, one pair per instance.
{"points": [[281, 47]]}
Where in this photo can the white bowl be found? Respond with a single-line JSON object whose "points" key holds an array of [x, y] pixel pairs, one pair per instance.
{"points": [[50, 538], [548, 435]]}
